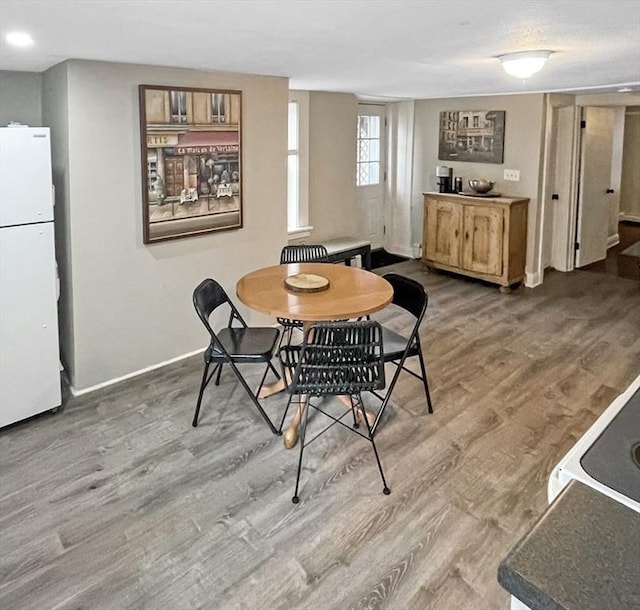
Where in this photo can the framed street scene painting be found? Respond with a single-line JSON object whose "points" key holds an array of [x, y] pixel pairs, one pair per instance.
{"points": [[191, 142], [472, 135]]}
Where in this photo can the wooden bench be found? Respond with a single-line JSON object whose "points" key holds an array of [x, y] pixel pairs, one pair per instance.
{"points": [[343, 249]]}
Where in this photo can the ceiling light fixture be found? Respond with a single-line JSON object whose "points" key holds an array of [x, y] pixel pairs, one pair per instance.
{"points": [[19, 39], [524, 64]]}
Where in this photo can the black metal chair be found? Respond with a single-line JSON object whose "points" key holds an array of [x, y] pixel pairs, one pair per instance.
{"points": [[335, 358], [413, 298], [302, 253], [233, 345]]}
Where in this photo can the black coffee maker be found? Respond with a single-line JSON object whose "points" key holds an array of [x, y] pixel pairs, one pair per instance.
{"points": [[444, 178]]}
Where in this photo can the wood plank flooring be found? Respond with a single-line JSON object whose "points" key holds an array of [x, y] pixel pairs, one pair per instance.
{"points": [[116, 502]]}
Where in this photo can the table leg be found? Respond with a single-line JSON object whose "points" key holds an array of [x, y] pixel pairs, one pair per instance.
{"points": [[270, 390], [290, 437], [371, 417]]}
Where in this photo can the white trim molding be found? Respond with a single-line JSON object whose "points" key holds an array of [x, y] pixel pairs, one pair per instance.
{"points": [[531, 280], [299, 232], [153, 367]]}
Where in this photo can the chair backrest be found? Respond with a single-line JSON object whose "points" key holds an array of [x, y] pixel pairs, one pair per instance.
{"points": [[209, 295], [304, 254], [336, 358], [408, 294]]}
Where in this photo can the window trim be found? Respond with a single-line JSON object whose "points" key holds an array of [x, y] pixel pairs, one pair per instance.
{"points": [[303, 229]]}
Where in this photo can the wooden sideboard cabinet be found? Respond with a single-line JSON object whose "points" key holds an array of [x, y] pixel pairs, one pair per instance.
{"points": [[482, 237]]}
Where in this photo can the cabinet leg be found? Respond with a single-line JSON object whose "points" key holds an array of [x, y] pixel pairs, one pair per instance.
{"points": [[505, 289]]}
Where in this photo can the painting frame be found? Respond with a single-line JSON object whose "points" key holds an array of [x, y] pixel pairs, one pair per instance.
{"points": [[191, 161], [472, 136]]}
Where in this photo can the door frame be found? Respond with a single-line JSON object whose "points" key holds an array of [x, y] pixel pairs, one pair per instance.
{"points": [[563, 153]]}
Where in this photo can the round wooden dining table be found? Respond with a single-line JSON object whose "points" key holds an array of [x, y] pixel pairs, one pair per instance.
{"points": [[351, 293]]}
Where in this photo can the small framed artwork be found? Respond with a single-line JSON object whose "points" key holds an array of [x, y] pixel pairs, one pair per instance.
{"points": [[191, 141], [476, 136]]}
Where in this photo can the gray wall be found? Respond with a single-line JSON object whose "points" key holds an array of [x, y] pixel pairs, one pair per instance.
{"points": [[332, 163], [21, 98], [524, 130], [129, 304]]}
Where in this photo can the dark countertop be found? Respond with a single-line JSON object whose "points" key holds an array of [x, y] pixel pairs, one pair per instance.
{"points": [[582, 554]]}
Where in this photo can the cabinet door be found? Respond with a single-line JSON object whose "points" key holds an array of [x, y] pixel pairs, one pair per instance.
{"points": [[444, 223], [483, 237]]}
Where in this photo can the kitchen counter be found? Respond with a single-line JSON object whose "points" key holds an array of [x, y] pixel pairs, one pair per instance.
{"points": [[582, 554]]}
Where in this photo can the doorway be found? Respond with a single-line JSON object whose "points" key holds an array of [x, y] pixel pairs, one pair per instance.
{"points": [[581, 196], [371, 173]]}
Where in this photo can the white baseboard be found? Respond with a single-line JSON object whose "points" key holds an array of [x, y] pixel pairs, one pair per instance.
{"points": [[613, 240], [153, 367], [401, 251], [629, 217]]}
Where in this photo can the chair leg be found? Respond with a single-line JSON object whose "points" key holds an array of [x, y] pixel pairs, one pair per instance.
{"points": [[385, 488], [203, 385], [219, 367], [354, 413], [400, 367], [253, 397], [287, 332], [387, 397], [424, 379], [275, 371], [284, 416], [295, 499]]}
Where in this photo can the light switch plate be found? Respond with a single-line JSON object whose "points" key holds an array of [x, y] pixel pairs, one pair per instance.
{"points": [[512, 174]]}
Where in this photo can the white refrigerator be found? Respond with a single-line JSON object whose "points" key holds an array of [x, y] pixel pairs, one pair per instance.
{"points": [[29, 343]]}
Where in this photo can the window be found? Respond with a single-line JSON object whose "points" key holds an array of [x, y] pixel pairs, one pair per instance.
{"points": [[368, 160], [293, 168], [297, 165], [218, 114], [178, 106]]}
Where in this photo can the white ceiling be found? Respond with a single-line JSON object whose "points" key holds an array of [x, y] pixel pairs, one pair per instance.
{"points": [[374, 48]]}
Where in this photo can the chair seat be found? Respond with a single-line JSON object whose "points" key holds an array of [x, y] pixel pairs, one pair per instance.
{"points": [[255, 344], [394, 345]]}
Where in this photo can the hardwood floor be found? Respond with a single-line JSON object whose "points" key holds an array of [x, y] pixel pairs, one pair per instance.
{"points": [[117, 502]]}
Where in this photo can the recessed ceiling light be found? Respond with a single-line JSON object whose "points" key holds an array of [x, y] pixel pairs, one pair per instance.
{"points": [[19, 39], [624, 90]]}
